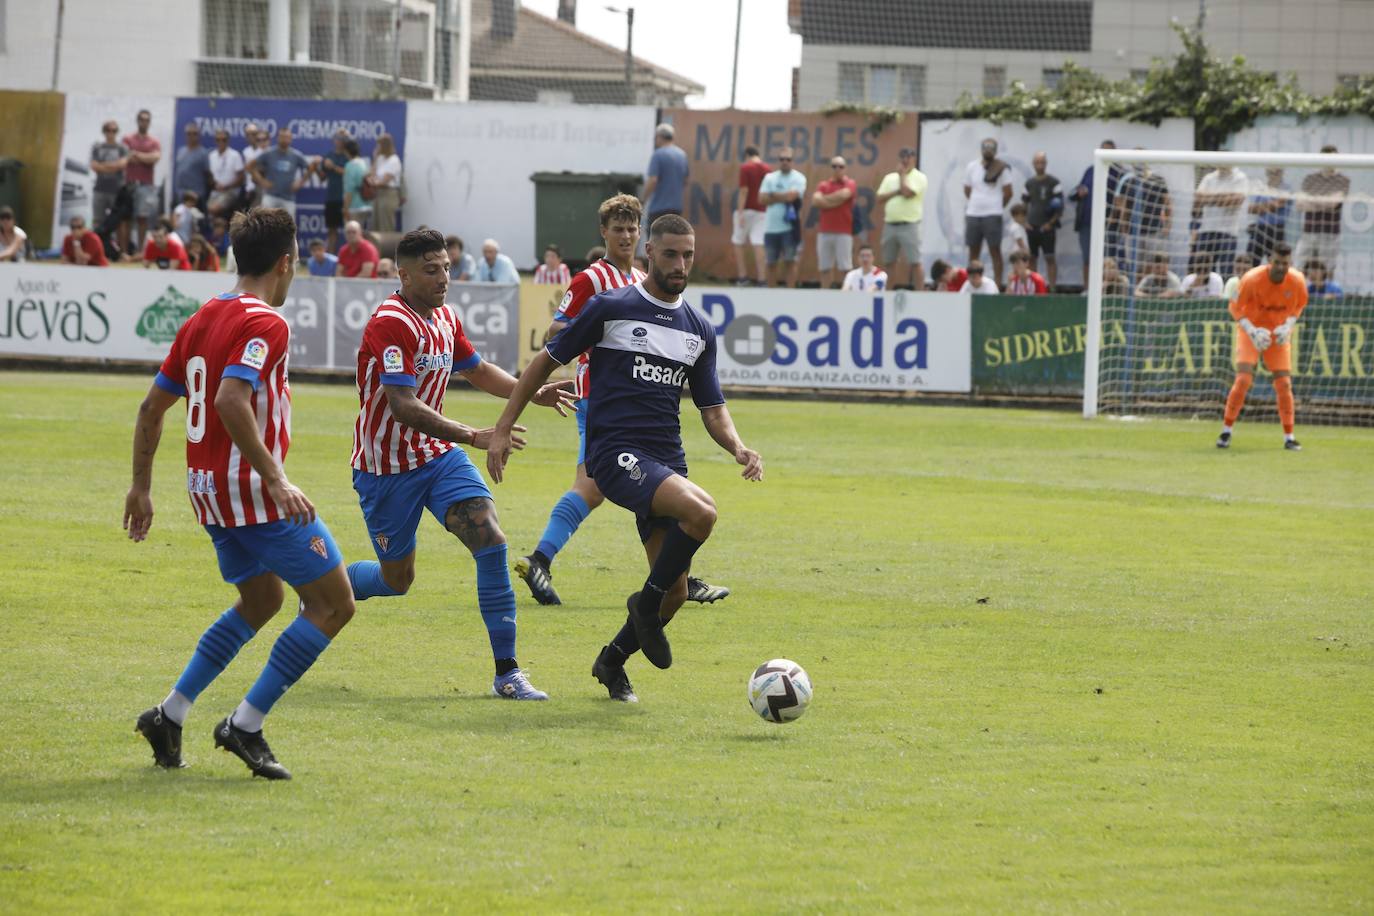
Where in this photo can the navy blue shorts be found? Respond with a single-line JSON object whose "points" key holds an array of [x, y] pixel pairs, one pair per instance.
{"points": [[630, 480], [393, 503], [297, 553]]}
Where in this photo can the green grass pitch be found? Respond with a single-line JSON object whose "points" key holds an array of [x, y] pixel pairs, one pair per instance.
{"points": [[1059, 666]]}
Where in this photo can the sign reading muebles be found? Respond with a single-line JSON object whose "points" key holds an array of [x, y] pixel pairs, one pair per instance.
{"points": [[124, 314], [891, 341]]}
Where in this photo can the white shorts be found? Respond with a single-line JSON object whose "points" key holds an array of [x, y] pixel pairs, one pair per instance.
{"points": [[748, 228], [834, 249], [285, 203]]}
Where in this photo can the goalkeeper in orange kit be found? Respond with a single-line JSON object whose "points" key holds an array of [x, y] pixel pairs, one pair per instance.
{"points": [[1266, 309]]}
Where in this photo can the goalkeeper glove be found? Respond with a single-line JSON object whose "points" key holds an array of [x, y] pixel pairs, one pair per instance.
{"points": [[1260, 337], [1284, 332]]}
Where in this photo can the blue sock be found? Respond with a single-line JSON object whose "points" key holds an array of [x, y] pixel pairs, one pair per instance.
{"points": [[217, 647], [366, 578], [567, 514], [496, 600], [292, 655]]}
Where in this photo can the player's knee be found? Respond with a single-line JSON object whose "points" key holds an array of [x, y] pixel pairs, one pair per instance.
{"points": [[701, 519], [474, 522], [399, 580]]}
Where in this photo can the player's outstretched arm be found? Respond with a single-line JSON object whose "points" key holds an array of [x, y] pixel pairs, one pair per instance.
{"points": [[138, 503], [234, 406], [498, 382], [416, 414], [502, 436], [722, 429]]}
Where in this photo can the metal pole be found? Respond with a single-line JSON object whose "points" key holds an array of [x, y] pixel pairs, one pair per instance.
{"points": [[396, 53], [734, 74], [334, 36], [629, 55], [463, 86], [1092, 352], [57, 42]]}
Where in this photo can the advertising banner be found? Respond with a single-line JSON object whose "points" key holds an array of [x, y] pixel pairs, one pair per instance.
{"points": [[894, 341], [715, 140], [1029, 345], [468, 166], [538, 302], [948, 146], [313, 125]]}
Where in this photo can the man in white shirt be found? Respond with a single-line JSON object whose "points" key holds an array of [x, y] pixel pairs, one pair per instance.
{"points": [[1220, 201], [866, 277], [978, 283], [987, 187], [255, 144], [226, 171], [1159, 282], [1202, 282]]}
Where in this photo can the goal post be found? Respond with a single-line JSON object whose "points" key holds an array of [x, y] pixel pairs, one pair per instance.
{"points": [[1171, 228]]}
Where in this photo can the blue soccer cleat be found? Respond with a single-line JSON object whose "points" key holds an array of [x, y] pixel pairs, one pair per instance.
{"points": [[514, 685]]}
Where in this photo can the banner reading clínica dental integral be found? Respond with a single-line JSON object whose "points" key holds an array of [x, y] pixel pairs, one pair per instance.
{"points": [[312, 124], [892, 341]]}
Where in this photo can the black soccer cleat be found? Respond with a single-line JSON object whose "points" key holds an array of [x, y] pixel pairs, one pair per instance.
{"points": [[613, 678], [704, 592], [251, 748], [653, 642], [1292, 445], [538, 578], [1224, 440], [164, 735]]}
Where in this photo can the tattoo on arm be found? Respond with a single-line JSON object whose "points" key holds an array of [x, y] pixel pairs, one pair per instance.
{"points": [[475, 524]]}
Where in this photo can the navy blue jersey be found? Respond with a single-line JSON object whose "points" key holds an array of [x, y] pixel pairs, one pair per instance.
{"points": [[643, 350]]}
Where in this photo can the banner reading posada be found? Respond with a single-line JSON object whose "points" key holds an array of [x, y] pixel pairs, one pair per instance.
{"points": [[891, 341]]}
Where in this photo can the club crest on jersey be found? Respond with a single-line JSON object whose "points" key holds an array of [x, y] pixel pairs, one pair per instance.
{"points": [[393, 363], [317, 545], [382, 541], [692, 344], [255, 353]]}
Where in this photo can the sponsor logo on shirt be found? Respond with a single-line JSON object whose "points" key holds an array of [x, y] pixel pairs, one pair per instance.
{"points": [[392, 361], [198, 481], [255, 353], [660, 375], [426, 361], [630, 463]]}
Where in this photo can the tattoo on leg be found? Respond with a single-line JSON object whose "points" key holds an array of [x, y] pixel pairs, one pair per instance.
{"points": [[474, 522]]}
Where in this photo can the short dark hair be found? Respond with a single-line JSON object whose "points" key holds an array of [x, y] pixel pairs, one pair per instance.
{"points": [[260, 237], [1281, 248], [1018, 208], [865, 247], [352, 148], [939, 269], [451, 240], [6, 211], [751, 150], [1314, 264], [670, 224], [1019, 256], [417, 243], [316, 243], [975, 266], [1160, 258], [1330, 148], [554, 248], [164, 224]]}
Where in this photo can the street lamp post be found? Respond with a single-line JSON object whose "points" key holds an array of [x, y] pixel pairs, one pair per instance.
{"points": [[629, 50]]}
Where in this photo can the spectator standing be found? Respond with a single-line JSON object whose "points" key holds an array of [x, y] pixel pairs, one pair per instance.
{"points": [[1083, 215], [462, 266], [109, 158], [944, 278], [902, 194], [867, 277], [668, 171], [1159, 282], [144, 152], [1244, 261], [163, 249], [357, 207], [1271, 210], [1202, 282], [1024, 281], [1141, 214], [202, 254], [1017, 236], [553, 272], [281, 172], [226, 176], [186, 218], [987, 189], [835, 228], [977, 282], [332, 166], [358, 257], [781, 192], [386, 178], [83, 247], [495, 267], [191, 169], [1323, 196], [321, 263], [255, 145], [1114, 283], [13, 240], [1319, 284], [386, 270], [1220, 207], [749, 217], [1044, 200]]}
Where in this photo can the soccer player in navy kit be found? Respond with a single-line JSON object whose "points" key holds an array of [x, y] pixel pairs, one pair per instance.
{"points": [[648, 342]]}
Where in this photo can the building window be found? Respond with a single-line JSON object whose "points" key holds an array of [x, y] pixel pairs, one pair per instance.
{"points": [[994, 82], [882, 84], [851, 83], [1051, 76], [913, 87], [1139, 75]]}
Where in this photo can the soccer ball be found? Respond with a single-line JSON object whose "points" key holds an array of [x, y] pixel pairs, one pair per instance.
{"points": [[779, 690]]}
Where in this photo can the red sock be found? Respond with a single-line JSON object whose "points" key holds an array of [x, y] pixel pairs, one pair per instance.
{"points": [[1283, 388], [1236, 399]]}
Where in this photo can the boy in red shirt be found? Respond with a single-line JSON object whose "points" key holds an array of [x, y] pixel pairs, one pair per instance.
{"points": [[83, 246], [163, 249]]}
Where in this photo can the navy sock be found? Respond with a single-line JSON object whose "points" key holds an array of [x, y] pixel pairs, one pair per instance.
{"points": [[674, 558], [292, 655], [625, 643], [568, 513], [217, 647], [366, 578], [496, 600]]}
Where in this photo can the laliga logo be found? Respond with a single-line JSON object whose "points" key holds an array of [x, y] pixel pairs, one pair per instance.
{"points": [[630, 463]]}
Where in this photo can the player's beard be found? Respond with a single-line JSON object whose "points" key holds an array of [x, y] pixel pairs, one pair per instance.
{"points": [[673, 286]]}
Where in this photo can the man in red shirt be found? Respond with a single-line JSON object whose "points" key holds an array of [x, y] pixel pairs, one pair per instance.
{"points": [[163, 249], [749, 217], [358, 257], [834, 197], [144, 152], [83, 246], [1024, 281]]}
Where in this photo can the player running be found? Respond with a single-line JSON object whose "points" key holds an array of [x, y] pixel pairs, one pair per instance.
{"points": [[649, 341], [1271, 298], [620, 217], [404, 459], [229, 362]]}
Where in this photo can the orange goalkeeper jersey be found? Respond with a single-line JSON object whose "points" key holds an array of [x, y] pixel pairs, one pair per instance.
{"points": [[1268, 304]]}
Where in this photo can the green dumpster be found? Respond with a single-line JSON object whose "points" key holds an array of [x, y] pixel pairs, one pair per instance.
{"points": [[565, 205], [9, 184]]}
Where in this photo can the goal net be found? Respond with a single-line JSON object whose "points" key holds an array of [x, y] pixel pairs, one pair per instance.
{"points": [[1172, 232]]}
